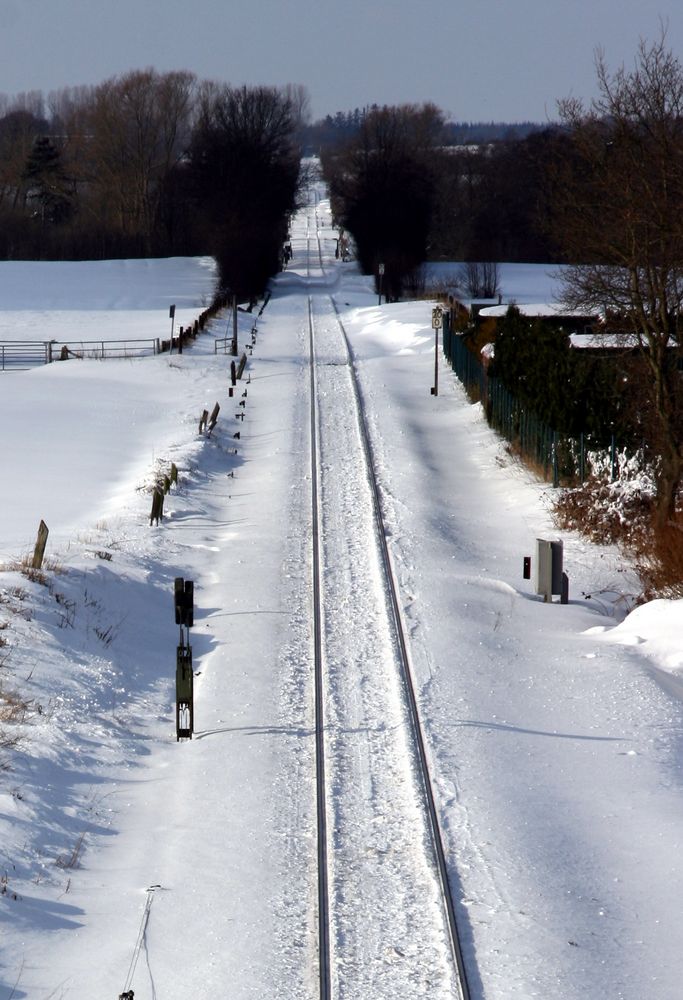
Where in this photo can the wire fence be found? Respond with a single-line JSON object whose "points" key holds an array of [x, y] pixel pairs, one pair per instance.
{"points": [[560, 458], [21, 354]]}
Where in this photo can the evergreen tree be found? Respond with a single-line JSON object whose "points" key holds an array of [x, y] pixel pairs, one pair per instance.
{"points": [[46, 184], [574, 391]]}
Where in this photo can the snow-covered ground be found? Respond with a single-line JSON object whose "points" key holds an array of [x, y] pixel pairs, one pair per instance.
{"points": [[518, 283], [554, 731]]}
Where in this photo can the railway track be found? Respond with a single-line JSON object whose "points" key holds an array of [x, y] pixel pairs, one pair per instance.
{"points": [[387, 920]]}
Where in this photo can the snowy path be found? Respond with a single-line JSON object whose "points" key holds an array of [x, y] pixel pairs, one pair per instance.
{"points": [[556, 758]]}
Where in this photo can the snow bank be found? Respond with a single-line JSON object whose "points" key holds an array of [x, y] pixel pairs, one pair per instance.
{"points": [[656, 627]]}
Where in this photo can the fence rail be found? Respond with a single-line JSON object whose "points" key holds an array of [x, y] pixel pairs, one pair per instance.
{"points": [[22, 354], [19, 354]]}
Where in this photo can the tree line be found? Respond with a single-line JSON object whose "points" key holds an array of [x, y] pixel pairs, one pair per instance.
{"points": [[600, 192], [159, 164], [151, 164], [317, 136], [432, 199]]}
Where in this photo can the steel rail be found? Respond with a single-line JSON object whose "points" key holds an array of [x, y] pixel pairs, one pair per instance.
{"points": [[434, 825], [321, 804], [407, 673]]}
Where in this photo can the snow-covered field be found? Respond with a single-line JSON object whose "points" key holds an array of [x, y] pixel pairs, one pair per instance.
{"points": [[555, 731]]}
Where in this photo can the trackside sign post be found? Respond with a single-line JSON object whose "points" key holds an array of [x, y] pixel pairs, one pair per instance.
{"points": [[437, 320]]}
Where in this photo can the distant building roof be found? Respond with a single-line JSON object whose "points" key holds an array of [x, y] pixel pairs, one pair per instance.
{"points": [[606, 341], [534, 309]]}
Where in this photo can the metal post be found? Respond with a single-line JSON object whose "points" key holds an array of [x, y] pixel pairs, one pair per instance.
{"points": [[171, 313], [380, 270], [437, 317], [436, 361]]}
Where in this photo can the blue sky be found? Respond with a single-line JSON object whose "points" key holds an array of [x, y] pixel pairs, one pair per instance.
{"points": [[503, 60]]}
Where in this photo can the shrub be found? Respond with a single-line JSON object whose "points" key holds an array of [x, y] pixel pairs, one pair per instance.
{"points": [[623, 513]]}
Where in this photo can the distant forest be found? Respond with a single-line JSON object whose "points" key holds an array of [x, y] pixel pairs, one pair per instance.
{"points": [[344, 124], [468, 191], [150, 164]]}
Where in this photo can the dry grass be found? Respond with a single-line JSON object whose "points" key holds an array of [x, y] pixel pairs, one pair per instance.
{"points": [[620, 514], [606, 512], [538, 469], [5, 887], [14, 711], [13, 708], [660, 564], [26, 568], [72, 860], [18, 593]]}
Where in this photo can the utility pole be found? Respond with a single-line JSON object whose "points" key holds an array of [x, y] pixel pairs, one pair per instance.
{"points": [[233, 346]]}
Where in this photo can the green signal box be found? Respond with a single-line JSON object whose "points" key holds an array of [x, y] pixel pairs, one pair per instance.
{"points": [[184, 696], [184, 602]]}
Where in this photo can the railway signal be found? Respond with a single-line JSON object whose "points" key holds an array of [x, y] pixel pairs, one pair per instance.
{"points": [[184, 675]]}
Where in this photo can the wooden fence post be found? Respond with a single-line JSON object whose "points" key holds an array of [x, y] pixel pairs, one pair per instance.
{"points": [[39, 551], [213, 419], [157, 506]]}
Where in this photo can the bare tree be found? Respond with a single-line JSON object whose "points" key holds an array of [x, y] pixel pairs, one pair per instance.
{"points": [[300, 102], [245, 170], [618, 210], [383, 189], [133, 131], [481, 279]]}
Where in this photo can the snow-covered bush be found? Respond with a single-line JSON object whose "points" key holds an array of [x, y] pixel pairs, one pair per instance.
{"points": [[621, 511], [610, 510]]}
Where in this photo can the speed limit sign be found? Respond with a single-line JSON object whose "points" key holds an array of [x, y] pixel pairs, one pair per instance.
{"points": [[436, 318]]}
